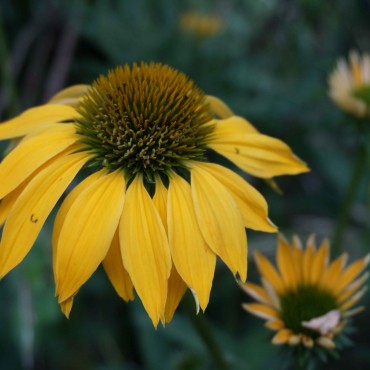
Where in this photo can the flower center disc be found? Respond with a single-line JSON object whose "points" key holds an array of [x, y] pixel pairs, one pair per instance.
{"points": [[303, 304], [147, 118]]}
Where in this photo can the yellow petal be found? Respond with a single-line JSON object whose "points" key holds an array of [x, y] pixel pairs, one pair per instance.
{"points": [[8, 202], [145, 250], [353, 287], [268, 271], [259, 155], [231, 127], [325, 342], [35, 118], [87, 232], [274, 299], [70, 96], [63, 211], [176, 286], [252, 205], [320, 262], [66, 306], [32, 152], [33, 206], [160, 201], [286, 264], [194, 261], [218, 107], [176, 290], [219, 220], [256, 292], [307, 341], [262, 311], [332, 274], [275, 324], [116, 272], [353, 300], [308, 258], [351, 272], [282, 336]]}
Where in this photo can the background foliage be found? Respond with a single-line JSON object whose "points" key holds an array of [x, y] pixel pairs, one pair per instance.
{"points": [[269, 62]]}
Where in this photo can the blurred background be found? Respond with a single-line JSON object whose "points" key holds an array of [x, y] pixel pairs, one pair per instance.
{"points": [[269, 60]]}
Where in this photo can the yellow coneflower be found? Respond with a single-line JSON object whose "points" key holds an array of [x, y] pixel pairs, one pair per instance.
{"points": [[202, 25], [152, 208], [306, 300], [349, 84]]}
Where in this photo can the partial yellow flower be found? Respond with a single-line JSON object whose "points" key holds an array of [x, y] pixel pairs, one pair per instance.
{"points": [[307, 300], [153, 209], [349, 84], [202, 25]]}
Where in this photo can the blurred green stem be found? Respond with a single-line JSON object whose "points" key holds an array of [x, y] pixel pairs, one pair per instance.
{"points": [[9, 91], [359, 169], [204, 331]]}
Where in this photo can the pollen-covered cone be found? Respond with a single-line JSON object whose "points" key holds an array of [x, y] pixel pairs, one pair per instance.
{"points": [[306, 300], [151, 207], [349, 84]]}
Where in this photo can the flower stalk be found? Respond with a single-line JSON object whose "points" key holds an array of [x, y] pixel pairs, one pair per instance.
{"points": [[358, 171], [202, 328]]}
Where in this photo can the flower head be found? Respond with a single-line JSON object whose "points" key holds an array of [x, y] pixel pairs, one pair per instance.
{"points": [[349, 84], [149, 206], [306, 300], [202, 25]]}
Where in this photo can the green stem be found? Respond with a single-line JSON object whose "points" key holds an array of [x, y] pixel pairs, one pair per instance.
{"points": [[359, 169], [203, 329], [6, 74]]}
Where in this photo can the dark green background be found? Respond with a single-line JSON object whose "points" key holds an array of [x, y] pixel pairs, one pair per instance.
{"points": [[270, 63]]}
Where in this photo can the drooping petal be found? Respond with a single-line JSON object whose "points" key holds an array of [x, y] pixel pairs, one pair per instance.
{"points": [[230, 127], [219, 220], [8, 201], [35, 118], [70, 96], [176, 286], [160, 201], [33, 206], [193, 259], [63, 211], [66, 306], [116, 272], [145, 250], [176, 290], [261, 310], [218, 107], [32, 152], [260, 155], [252, 205], [87, 232], [269, 272]]}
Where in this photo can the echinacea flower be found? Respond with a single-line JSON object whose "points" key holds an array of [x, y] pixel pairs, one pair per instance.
{"points": [[202, 25], [307, 300], [349, 84], [152, 208]]}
